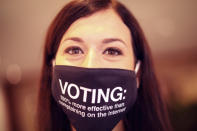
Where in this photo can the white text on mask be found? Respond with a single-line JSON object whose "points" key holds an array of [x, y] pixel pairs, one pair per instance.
{"points": [[94, 92]]}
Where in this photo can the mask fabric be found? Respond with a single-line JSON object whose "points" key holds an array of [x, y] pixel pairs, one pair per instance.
{"points": [[94, 99]]}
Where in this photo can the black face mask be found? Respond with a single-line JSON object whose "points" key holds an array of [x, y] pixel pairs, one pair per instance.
{"points": [[94, 99]]}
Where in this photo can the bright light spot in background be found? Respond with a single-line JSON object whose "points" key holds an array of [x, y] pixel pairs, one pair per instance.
{"points": [[165, 27], [13, 74]]}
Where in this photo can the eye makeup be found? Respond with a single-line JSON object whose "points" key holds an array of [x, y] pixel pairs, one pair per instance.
{"points": [[73, 50]]}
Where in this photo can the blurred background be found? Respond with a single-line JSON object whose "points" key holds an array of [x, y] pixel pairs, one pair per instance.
{"points": [[171, 30]]}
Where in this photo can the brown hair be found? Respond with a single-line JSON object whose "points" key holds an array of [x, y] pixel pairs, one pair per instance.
{"points": [[149, 111]]}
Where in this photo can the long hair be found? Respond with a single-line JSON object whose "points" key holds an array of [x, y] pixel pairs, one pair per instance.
{"points": [[148, 113]]}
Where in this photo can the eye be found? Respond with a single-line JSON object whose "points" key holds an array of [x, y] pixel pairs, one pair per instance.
{"points": [[112, 51], [74, 50]]}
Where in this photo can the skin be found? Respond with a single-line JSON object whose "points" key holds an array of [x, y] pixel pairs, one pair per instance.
{"points": [[100, 40]]}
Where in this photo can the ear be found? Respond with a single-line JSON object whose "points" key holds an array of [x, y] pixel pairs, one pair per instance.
{"points": [[137, 70]]}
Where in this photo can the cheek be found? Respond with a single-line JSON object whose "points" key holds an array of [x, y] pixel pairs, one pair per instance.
{"points": [[129, 63], [130, 58], [59, 60], [62, 60], [123, 63]]}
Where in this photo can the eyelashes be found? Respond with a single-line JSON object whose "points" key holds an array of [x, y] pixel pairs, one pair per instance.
{"points": [[74, 50], [113, 51], [110, 51]]}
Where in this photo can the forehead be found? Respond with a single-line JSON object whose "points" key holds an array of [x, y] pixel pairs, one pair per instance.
{"points": [[102, 24]]}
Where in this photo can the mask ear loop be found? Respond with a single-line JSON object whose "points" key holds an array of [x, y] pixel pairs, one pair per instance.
{"points": [[137, 66], [53, 62]]}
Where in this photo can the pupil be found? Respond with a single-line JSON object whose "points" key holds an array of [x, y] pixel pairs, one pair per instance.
{"points": [[112, 52], [76, 51]]}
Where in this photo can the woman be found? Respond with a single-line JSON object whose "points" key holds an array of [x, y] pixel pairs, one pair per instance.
{"points": [[98, 39]]}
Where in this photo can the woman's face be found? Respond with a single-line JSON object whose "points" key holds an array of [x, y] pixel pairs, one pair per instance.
{"points": [[100, 40]]}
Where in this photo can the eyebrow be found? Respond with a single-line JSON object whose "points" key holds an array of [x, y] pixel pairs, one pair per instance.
{"points": [[105, 41], [109, 40], [76, 39]]}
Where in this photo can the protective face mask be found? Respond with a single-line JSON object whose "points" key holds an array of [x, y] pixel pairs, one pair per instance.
{"points": [[94, 99]]}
